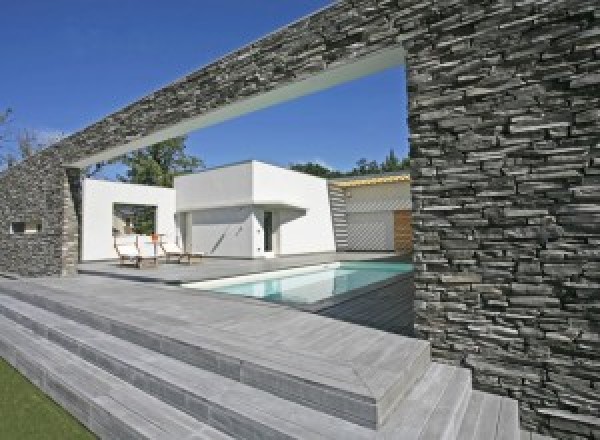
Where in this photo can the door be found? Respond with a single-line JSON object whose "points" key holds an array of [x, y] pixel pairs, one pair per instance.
{"points": [[268, 232], [403, 236]]}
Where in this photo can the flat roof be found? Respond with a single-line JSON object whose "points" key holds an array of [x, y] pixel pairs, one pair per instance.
{"points": [[245, 162]]}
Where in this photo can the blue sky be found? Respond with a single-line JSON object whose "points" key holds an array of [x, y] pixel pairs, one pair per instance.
{"points": [[68, 63]]}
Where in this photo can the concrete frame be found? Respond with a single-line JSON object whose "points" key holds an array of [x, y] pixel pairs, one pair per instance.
{"points": [[505, 137], [98, 199]]}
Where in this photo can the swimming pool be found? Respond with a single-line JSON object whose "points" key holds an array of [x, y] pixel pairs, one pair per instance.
{"points": [[306, 285]]}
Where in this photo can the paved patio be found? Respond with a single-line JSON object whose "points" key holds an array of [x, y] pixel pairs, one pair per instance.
{"points": [[116, 352], [389, 308], [215, 267]]}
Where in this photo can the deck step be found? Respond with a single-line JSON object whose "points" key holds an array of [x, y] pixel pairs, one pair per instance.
{"points": [[107, 406], [490, 417], [364, 391], [433, 408], [192, 390]]}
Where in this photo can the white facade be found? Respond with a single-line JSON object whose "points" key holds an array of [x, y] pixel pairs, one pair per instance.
{"points": [[98, 198], [222, 211], [240, 210]]}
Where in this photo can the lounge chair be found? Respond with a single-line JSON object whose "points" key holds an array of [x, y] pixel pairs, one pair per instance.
{"points": [[129, 253], [172, 250]]}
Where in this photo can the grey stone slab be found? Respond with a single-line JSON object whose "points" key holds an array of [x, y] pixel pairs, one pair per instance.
{"points": [[508, 420], [468, 427], [525, 435], [432, 407], [333, 382], [108, 406], [488, 420], [447, 417], [415, 410], [180, 384]]}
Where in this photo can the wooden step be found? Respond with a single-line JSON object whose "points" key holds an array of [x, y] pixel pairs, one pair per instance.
{"points": [[490, 417], [362, 393], [107, 406]]}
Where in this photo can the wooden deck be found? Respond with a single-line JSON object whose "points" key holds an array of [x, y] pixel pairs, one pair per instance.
{"points": [[390, 309]]}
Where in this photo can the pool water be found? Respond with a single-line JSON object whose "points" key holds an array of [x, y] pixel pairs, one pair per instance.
{"points": [[306, 284]]}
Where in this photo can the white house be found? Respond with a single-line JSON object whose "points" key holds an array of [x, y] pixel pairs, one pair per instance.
{"points": [[254, 210]]}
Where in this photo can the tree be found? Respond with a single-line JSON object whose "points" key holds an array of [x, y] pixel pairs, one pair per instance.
{"points": [[28, 142], [4, 117], [4, 120], [159, 164], [315, 169], [392, 163], [364, 166]]}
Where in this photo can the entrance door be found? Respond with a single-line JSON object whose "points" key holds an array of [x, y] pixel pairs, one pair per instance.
{"points": [[268, 232], [403, 237]]}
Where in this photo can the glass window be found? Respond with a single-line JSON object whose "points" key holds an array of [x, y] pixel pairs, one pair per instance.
{"points": [[25, 227]]}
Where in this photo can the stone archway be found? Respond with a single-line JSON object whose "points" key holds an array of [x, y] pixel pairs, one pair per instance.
{"points": [[504, 122]]}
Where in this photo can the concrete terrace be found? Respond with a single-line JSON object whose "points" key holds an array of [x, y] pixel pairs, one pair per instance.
{"points": [[388, 308], [163, 362], [214, 267]]}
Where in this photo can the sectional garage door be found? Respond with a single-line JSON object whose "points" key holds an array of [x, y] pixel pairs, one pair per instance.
{"points": [[371, 231]]}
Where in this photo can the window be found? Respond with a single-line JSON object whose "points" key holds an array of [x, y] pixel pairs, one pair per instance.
{"points": [[133, 219], [17, 228], [25, 228]]}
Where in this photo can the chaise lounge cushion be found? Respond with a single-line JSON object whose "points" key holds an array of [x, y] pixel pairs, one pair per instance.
{"points": [[127, 250]]}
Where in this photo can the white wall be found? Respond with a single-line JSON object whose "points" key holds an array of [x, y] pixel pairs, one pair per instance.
{"points": [[219, 187], [217, 198], [299, 232], [224, 232], [98, 197]]}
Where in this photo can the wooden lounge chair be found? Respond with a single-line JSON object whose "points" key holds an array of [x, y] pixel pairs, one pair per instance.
{"points": [[129, 253], [172, 250]]}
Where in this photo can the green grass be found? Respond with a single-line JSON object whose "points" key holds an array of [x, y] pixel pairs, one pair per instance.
{"points": [[28, 414]]}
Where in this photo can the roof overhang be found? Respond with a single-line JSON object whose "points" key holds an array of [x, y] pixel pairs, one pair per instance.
{"points": [[265, 204]]}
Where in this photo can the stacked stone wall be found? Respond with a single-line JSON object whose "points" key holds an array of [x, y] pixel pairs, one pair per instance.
{"points": [[505, 137]]}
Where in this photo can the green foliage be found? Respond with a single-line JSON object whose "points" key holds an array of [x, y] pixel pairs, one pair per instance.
{"points": [[145, 220], [26, 413], [315, 169], [143, 217], [363, 167], [157, 165]]}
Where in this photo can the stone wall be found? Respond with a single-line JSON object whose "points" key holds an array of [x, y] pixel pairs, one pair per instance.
{"points": [[504, 99], [36, 191], [505, 136]]}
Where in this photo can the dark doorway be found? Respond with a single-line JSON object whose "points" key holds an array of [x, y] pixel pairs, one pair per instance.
{"points": [[268, 231]]}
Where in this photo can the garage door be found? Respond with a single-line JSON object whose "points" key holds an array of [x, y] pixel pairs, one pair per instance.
{"points": [[371, 231]]}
